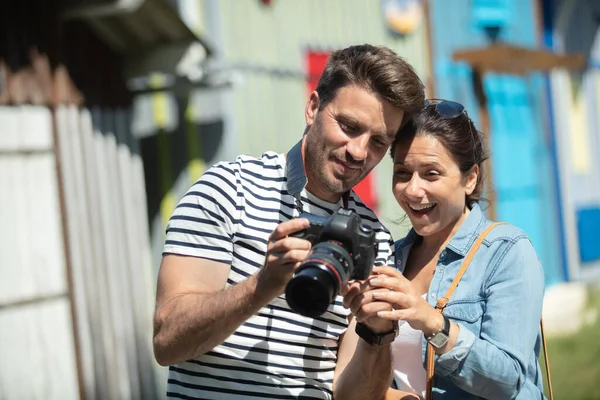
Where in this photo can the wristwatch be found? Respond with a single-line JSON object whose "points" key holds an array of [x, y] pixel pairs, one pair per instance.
{"points": [[441, 337], [376, 339]]}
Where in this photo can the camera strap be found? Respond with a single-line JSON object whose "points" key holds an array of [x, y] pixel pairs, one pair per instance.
{"points": [[300, 206]]}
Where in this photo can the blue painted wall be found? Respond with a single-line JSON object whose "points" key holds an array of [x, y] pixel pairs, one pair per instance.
{"points": [[520, 144], [573, 27]]}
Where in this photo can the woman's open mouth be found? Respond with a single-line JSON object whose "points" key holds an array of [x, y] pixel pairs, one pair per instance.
{"points": [[421, 209]]}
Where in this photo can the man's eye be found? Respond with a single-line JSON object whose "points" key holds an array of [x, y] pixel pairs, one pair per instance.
{"points": [[346, 128], [379, 142]]}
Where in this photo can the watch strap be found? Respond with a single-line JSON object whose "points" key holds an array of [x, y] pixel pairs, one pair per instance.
{"points": [[444, 330], [376, 338]]}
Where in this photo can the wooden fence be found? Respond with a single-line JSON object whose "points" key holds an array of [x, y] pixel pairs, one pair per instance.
{"points": [[76, 281]]}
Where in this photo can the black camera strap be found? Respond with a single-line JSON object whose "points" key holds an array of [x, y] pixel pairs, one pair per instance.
{"points": [[300, 206]]}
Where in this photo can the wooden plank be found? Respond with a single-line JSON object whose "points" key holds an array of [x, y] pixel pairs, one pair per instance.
{"points": [[96, 284], [9, 137], [12, 190], [38, 360], [36, 128], [31, 247], [74, 217], [510, 59], [118, 224], [141, 284], [111, 267], [144, 271]]}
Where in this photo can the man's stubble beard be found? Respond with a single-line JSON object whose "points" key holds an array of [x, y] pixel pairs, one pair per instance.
{"points": [[317, 158]]}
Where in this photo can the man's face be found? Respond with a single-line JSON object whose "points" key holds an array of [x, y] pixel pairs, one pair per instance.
{"points": [[346, 139]]}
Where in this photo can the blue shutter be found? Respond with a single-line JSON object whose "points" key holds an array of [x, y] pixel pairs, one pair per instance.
{"points": [[491, 13]]}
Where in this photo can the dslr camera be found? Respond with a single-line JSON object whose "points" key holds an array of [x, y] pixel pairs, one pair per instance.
{"points": [[343, 249]]}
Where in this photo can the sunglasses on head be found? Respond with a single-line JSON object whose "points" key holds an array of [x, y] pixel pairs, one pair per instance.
{"points": [[446, 109]]}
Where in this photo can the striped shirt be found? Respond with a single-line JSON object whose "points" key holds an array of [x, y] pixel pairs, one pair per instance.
{"points": [[227, 216]]}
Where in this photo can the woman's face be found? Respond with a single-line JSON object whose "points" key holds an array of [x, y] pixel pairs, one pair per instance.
{"points": [[430, 187]]}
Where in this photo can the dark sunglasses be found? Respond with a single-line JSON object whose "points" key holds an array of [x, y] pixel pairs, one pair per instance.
{"points": [[447, 109]]}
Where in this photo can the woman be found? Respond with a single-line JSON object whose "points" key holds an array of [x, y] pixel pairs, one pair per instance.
{"points": [[493, 342]]}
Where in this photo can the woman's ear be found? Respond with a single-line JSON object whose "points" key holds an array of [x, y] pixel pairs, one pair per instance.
{"points": [[312, 108], [472, 180]]}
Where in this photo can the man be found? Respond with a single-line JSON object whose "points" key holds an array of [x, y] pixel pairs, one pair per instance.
{"points": [[222, 323]]}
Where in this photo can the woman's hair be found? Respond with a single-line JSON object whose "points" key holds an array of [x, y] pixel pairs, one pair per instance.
{"points": [[458, 135], [374, 68]]}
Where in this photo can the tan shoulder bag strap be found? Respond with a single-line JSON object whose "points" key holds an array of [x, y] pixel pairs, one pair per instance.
{"points": [[443, 301], [546, 360]]}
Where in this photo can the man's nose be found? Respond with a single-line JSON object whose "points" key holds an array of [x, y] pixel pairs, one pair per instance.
{"points": [[358, 147]]}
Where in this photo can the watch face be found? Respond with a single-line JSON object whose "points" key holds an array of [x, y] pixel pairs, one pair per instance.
{"points": [[439, 340]]}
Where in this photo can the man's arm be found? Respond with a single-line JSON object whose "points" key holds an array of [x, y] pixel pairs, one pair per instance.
{"points": [[195, 312], [363, 371]]}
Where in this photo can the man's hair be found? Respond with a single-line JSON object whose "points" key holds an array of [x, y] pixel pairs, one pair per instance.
{"points": [[374, 68]]}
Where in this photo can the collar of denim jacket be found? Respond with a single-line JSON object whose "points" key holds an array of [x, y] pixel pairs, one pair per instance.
{"points": [[460, 243], [468, 231], [295, 173]]}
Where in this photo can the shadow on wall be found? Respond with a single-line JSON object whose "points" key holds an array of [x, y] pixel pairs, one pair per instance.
{"points": [[167, 155]]}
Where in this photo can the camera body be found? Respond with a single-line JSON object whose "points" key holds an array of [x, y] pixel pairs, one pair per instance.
{"points": [[343, 249], [346, 228]]}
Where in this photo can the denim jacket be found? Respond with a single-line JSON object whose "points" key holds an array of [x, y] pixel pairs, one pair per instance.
{"points": [[497, 305]]}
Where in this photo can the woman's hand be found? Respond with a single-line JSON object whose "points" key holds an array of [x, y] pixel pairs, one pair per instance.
{"points": [[359, 299], [389, 285]]}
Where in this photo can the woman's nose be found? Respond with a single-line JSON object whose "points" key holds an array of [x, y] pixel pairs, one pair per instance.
{"points": [[415, 187]]}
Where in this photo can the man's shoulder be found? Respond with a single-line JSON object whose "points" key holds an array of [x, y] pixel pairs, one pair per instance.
{"points": [[269, 160]]}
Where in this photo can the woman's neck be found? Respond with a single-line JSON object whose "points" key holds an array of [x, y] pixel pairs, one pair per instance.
{"points": [[436, 242]]}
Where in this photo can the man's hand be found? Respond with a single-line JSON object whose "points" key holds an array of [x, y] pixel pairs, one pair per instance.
{"points": [[358, 297], [284, 255]]}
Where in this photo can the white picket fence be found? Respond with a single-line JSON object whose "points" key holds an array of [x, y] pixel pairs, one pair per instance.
{"points": [[76, 281]]}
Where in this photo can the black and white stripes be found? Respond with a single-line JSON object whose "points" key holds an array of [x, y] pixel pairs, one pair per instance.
{"points": [[228, 216]]}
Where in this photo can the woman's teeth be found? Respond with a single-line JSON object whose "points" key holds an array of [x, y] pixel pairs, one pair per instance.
{"points": [[421, 207]]}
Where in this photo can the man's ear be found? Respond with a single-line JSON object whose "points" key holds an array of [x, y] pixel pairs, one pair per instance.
{"points": [[472, 180], [312, 108]]}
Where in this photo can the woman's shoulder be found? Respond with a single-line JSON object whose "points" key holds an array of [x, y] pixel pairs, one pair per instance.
{"points": [[511, 246], [504, 231]]}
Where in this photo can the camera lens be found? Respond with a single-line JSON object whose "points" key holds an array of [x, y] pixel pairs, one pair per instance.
{"points": [[310, 291], [318, 280]]}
